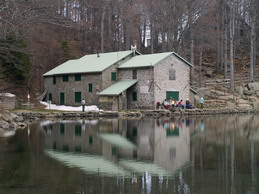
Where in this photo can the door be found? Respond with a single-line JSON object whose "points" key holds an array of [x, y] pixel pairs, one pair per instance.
{"points": [[173, 94], [62, 98]]}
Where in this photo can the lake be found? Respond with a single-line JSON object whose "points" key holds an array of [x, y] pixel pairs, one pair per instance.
{"points": [[210, 154]]}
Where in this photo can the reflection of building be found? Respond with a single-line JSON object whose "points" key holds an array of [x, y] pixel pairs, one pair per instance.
{"points": [[161, 146]]}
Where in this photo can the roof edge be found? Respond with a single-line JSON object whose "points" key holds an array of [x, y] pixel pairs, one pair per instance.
{"points": [[184, 60]]}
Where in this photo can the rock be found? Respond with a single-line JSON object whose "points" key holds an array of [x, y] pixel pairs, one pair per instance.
{"points": [[203, 92], [253, 86], [4, 124], [209, 73]]}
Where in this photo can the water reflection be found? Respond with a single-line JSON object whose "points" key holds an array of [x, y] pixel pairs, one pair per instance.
{"points": [[188, 155], [120, 147]]}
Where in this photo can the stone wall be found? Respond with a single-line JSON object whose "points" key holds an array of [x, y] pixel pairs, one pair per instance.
{"points": [[145, 98], [7, 101], [180, 84], [72, 86]]}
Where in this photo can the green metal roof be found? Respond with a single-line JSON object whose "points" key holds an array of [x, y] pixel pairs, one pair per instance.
{"points": [[89, 63], [117, 140], [149, 60], [88, 163], [118, 87], [145, 60]]}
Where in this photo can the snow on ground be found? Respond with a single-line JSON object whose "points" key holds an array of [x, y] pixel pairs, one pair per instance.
{"points": [[69, 108]]}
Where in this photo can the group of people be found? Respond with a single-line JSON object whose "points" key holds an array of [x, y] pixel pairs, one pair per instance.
{"points": [[171, 103]]}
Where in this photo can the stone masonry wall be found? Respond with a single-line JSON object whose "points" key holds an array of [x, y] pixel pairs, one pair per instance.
{"points": [[72, 86], [161, 77], [145, 97]]}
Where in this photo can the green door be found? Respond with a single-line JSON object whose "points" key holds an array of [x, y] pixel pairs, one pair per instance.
{"points": [[62, 98], [173, 94]]}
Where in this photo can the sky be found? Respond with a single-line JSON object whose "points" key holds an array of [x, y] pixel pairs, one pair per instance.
{"points": [[69, 108]]}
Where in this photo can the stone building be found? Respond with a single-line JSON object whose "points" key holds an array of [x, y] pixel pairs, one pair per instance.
{"points": [[120, 80]]}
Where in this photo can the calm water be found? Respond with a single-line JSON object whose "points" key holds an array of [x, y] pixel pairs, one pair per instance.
{"points": [[181, 155]]}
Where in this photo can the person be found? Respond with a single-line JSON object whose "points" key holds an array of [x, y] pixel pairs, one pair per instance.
{"points": [[158, 105], [166, 104], [188, 105], [180, 104], [201, 102], [83, 105]]}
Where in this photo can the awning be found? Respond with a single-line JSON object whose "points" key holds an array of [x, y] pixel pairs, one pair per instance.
{"points": [[88, 163], [118, 87], [140, 167], [117, 140]]}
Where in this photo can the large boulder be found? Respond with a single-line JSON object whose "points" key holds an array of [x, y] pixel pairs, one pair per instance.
{"points": [[253, 86], [203, 92]]}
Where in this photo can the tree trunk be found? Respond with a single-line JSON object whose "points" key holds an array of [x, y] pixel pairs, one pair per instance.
{"points": [[232, 33], [252, 45]]}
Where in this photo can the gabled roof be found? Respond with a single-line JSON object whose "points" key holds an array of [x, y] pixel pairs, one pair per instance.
{"points": [[118, 87], [89, 63], [149, 60], [117, 140]]}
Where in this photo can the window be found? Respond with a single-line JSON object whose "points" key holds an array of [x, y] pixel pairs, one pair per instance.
{"points": [[78, 130], [77, 77], [134, 74], [62, 128], [172, 75], [78, 149], [113, 76], [114, 151], [78, 97], [134, 96], [50, 96], [65, 78], [90, 87], [54, 80], [65, 148], [90, 140]]}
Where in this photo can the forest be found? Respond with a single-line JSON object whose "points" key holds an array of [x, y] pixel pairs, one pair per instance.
{"points": [[38, 35]]}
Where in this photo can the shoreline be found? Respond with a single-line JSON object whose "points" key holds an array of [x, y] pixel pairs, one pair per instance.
{"points": [[32, 116]]}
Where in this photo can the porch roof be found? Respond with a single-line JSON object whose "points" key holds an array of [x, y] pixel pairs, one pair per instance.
{"points": [[118, 87], [118, 140]]}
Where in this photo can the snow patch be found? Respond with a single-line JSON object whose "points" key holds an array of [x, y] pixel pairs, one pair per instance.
{"points": [[69, 108]]}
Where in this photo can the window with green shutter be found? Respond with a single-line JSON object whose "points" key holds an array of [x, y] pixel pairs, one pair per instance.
{"points": [[113, 76], [50, 96], [77, 77], [134, 96], [62, 128], [54, 79], [90, 87], [90, 140], [65, 78], [78, 97], [78, 130]]}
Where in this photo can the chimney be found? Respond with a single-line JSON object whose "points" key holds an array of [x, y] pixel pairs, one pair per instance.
{"points": [[133, 49]]}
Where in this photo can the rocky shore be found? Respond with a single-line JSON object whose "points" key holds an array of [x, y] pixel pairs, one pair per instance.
{"points": [[11, 121]]}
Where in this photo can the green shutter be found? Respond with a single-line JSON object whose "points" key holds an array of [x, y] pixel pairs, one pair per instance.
{"points": [[90, 140], [65, 78], [114, 151], [78, 149], [54, 79], [113, 76], [62, 128], [50, 96], [62, 98], [54, 145], [77, 77], [65, 148], [174, 95], [90, 87], [78, 130], [78, 97], [134, 96]]}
